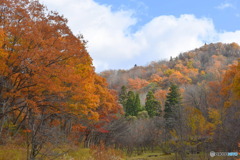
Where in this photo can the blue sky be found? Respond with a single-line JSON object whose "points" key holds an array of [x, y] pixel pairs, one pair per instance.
{"points": [[224, 13], [121, 33]]}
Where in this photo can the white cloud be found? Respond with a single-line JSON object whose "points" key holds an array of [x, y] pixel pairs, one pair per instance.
{"points": [[224, 6], [113, 46], [229, 37], [107, 32], [167, 36]]}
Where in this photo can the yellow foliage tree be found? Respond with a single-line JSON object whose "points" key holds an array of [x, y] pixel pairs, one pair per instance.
{"points": [[231, 85]]}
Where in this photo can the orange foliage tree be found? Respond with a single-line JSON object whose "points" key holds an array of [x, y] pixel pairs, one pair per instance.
{"points": [[137, 83], [161, 96], [46, 73], [178, 78], [155, 78]]}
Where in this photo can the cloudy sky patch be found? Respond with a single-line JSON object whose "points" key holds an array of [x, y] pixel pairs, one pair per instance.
{"points": [[118, 38]]}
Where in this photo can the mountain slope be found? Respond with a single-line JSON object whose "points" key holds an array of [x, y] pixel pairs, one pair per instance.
{"points": [[206, 63]]}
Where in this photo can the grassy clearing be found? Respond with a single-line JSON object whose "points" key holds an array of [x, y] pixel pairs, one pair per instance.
{"points": [[12, 152], [160, 156], [15, 152], [77, 153], [151, 156]]}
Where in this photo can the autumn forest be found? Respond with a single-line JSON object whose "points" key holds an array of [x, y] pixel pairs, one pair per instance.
{"points": [[53, 105]]}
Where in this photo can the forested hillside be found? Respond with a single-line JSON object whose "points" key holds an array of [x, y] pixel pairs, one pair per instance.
{"points": [[190, 103], [207, 63]]}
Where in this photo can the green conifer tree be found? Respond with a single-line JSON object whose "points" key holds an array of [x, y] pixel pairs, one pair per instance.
{"points": [[153, 107], [123, 97], [130, 104], [172, 105], [137, 104]]}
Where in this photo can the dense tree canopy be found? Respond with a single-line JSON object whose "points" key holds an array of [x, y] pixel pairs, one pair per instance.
{"points": [[46, 74]]}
